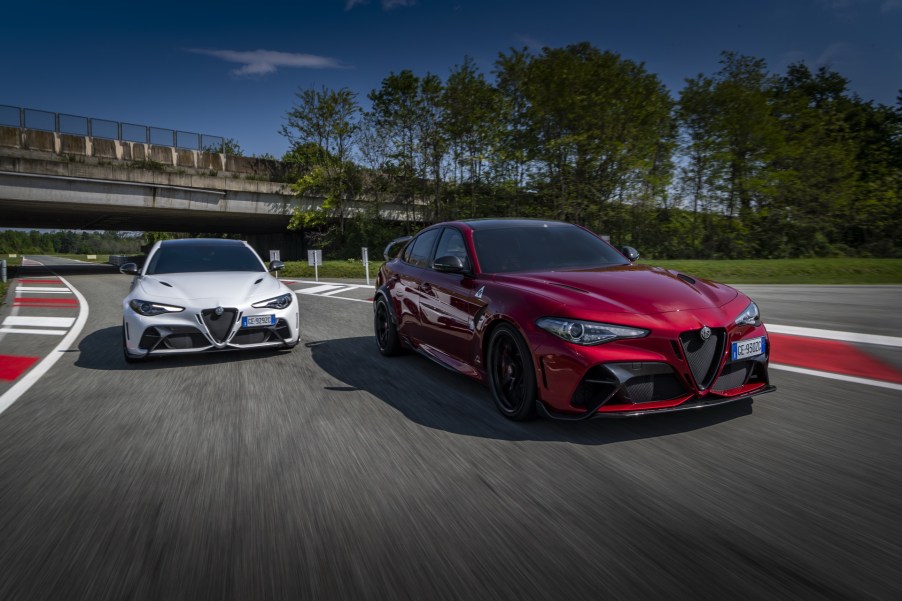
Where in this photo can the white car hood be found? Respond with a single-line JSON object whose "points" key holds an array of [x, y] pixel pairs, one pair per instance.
{"points": [[225, 289]]}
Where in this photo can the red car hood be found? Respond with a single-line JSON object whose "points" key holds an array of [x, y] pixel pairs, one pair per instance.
{"points": [[638, 289]]}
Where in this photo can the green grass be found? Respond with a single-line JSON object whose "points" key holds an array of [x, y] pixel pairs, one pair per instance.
{"points": [[760, 271], [17, 260], [99, 259], [329, 269], [792, 271]]}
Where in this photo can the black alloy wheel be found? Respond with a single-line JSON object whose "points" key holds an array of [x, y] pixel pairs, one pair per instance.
{"points": [[511, 374], [386, 332]]}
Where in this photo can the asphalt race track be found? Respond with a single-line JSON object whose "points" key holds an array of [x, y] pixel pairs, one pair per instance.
{"points": [[330, 472]]}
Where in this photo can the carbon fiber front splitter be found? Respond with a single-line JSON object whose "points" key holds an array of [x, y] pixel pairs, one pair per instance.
{"points": [[685, 406]]}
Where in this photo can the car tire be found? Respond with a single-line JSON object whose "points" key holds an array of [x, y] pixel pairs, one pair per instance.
{"points": [[512, 376], [386, 332], [128, 357]]}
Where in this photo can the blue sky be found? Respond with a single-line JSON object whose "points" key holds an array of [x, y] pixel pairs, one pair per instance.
{"points": [[231, 69]]}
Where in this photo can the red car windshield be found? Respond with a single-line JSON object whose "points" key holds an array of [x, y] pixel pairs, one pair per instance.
{"points": [[542, 247]]}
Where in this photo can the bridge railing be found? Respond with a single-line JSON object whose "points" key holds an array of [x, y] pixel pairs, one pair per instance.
{"points": [[26, 118]]}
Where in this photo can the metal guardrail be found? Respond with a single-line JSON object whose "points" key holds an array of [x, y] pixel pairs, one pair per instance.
{"points": [[25, 118]]}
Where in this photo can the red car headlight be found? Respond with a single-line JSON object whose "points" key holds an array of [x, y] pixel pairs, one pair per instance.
{"points": [[587, 333], [750, 317]]}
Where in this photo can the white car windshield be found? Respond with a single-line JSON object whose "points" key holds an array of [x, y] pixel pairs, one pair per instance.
{"points": [[199, 258]]}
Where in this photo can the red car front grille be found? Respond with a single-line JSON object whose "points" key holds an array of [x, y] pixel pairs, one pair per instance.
{"points": [[703, 355]]}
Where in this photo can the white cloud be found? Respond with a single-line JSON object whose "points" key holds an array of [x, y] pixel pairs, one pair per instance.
{"points": [[386, 4], [262, 62], [530, 42], [849, 6], [835, 54]]}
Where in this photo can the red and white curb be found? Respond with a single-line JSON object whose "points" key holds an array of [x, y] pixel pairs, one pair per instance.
{"points": [[15, 324], [833, 354]]}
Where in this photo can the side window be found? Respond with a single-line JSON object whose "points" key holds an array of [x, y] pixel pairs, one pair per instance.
{"points": [[421, 249], [405, 255], [452, 244]]}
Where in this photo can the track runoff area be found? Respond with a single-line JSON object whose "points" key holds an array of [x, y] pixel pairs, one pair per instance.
{"points": [[48, 314]]}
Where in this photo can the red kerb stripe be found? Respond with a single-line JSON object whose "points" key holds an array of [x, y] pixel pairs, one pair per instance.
{"points": [[830, 355], [11, 366], [52, 302]]}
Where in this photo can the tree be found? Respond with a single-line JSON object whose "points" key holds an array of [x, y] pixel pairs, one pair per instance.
{"points": [[813, 172], [471, 121], [406, 114], [594, 124], [227, 146], [872, 221], [733, 136], [322, 126]]}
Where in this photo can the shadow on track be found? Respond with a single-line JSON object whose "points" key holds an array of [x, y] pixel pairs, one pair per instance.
{"points": [[102, 350], [434, 397]]}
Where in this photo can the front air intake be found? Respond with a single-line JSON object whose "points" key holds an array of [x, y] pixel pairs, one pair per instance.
{"points": [[703, 354], [220, 325]]}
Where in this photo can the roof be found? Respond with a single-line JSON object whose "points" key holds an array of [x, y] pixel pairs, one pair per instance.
{"points": [[202, 242], [494, 224]]}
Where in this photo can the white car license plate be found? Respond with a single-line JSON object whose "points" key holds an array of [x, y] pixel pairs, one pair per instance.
{"points": [[253, 321], [748, 348]]}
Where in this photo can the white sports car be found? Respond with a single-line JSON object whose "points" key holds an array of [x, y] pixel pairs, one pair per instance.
{"points": [[205, 294]]}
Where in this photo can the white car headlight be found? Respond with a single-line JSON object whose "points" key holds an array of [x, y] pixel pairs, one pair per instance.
{"points": [[750, 317], [149, 309], [587, 333], [278, 302]]}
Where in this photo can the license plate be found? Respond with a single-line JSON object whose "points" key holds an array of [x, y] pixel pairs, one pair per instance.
{"points": [[748, 348], [254, 321]]}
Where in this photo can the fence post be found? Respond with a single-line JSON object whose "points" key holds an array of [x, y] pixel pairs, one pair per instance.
{"points": [[3, 270]]}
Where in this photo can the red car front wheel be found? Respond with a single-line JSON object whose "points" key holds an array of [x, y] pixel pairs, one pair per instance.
{"points": [[511, 374]]}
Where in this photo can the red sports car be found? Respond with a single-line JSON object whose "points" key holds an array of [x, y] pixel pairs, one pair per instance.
{"points": [[556, 320]]}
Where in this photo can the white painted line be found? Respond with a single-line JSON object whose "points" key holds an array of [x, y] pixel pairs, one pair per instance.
{"points": [[41, 290], [339, 291], [842, 377], [41, 322], [32, 331], [319, 289], [356, 300], [835, 335], [333, 284], [28, 380]]}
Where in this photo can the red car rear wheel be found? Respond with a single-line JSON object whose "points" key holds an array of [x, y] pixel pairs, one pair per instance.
{"points": [[386, 332]]}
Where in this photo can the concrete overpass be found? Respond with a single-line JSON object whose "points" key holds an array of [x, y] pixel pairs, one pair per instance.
{"points": [[54, 180]]}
